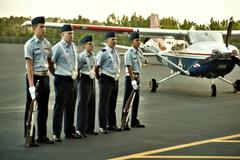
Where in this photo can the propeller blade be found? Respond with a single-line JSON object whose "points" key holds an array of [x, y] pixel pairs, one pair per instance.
{"points": [[229, 31]]}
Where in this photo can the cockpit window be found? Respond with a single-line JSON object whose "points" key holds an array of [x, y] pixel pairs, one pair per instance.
{"points": [[203, 36]]}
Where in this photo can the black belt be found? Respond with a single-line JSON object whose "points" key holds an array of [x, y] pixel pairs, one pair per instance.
{"points": [[63, 77], [85, 76]]}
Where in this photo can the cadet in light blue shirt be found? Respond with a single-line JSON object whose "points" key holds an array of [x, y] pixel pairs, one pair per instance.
{"points": [[65, 59], [64, 56], [107, 71], [37, 53], [132, 62], [86, 89]]}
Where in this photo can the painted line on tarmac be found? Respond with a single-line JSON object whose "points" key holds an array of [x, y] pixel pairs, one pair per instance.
{"points": [[227, 141], [190, 157], [144, 154]]}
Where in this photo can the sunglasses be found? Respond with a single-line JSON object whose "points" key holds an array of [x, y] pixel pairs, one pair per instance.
{"points": [[89, 43], [113, 39]]}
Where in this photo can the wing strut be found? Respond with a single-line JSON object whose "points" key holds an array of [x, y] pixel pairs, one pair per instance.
{"points": [[156, 51]]}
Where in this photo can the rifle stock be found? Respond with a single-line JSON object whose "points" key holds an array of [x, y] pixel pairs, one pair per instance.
{"points": [[127, 109], [31, 119]]}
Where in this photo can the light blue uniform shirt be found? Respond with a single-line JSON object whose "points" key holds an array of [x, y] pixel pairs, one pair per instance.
{"points": [[133, 58], [38, 51], [65, 58], [85, 62], [109, 61]]}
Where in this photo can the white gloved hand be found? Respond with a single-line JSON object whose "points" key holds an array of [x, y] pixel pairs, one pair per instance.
{"points": [[32, 91], [134, 84]]}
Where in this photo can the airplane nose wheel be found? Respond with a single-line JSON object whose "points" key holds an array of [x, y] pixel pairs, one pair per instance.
{"points": [[213, 90], [153, 85]]}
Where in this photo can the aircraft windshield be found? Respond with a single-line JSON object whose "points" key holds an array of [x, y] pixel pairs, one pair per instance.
{"points": [[203, 36]]}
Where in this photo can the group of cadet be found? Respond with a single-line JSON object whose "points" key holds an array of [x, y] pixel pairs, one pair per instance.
{"points": [[74, 83]]}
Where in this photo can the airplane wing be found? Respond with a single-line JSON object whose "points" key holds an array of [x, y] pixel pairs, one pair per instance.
{"points": [[145, 32]]}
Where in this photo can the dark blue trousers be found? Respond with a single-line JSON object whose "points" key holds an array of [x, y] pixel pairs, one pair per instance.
{"points": [[42, 109], [108, 91], [86, 104], [64, 103]]}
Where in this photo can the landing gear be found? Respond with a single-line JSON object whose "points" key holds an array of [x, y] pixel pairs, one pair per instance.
{"points": [[213, 90], [153, 85], [236, 86]]}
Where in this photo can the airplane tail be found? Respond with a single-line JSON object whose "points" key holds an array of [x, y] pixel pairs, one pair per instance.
{"points": [[154, 21]]}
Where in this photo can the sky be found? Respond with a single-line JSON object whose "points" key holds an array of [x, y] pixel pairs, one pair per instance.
{"points": [[199, 11]]}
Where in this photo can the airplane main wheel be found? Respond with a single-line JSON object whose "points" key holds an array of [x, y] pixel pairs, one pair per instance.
{"points": [[153, 85], [213, 90], [236, 86]]}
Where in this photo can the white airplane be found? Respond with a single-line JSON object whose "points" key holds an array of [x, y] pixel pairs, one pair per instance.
{"points": [[198, 54]]}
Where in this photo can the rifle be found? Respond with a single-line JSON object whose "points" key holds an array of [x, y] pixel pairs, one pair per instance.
{"points": [[31, 118], [127, 109]]}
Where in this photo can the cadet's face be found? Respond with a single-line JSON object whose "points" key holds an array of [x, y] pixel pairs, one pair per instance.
{"points": [[39, 30], [89, 47], [136, 43], [111, 42], [68, 36]]}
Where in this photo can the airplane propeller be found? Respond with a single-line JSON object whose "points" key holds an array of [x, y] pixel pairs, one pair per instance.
{"points": [[229, 31]]}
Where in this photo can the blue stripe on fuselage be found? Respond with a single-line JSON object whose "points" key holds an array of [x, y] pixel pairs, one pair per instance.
{"points": [[213, 69]]}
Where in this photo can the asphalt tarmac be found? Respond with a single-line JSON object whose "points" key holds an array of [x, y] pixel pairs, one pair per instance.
{"points": [[182, 120]]}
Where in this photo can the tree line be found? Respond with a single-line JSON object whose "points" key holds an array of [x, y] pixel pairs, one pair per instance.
{"points": [[11, 27]]}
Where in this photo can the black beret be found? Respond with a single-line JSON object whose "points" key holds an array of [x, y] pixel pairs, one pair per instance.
{"points": [[37, 20], [86, 39], [66, 27], [134, 35], [110, 35]]}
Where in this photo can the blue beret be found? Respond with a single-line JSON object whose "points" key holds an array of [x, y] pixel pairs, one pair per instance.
{"points": [[110, 35], [86, 39], [37, 20], [66, 27], [133, 35]]}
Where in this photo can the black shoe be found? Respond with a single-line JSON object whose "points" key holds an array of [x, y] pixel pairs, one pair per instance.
{"points": [[81, 134], [114, 128], [45, 140], [73, 136], [138, 125], [104, 131], [33, 144], [126, 128], [92, 133], [56, 138]]}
